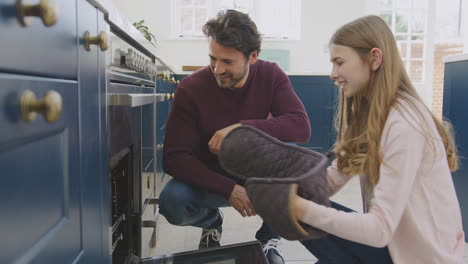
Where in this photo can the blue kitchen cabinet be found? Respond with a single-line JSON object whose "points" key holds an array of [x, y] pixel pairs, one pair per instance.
{"points": [[93, 141], [319, 96], [148, 113], [54, 174], [39, 164], [37, 49], [455, 109], [162, 113]]}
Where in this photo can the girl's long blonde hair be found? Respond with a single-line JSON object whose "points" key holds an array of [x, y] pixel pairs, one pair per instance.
{"points": [[360, 119]]}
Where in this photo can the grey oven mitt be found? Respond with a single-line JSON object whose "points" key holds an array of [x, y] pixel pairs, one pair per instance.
{"points": [[274, 172]]}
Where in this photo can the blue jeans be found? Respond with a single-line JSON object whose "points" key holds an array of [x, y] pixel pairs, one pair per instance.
{"points": [[184, 205], [332, 249]]}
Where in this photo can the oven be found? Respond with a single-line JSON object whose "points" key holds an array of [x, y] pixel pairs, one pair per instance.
{"points": [[132, 72]]}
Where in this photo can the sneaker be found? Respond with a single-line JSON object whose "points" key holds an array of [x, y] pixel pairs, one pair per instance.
{"points": [[211, 237], [273, 252]]}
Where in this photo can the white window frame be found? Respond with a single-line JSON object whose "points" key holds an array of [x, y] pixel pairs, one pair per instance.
{"points": [[424, 86], [176, 30], [293, 30]]}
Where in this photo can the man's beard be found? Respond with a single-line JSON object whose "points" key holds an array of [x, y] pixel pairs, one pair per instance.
{"points": [[231, 81]]}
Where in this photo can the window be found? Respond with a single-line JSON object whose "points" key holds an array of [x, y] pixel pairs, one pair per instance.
{"points": [[408, 20], [426, 31], [275, 19], [192, 16]]}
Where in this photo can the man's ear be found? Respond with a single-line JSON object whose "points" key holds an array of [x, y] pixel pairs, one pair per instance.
{"points": [[253, 57], [376, 58]]}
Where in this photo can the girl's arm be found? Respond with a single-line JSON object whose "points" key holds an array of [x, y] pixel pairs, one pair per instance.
{"points": [[402, 150], [336, 179]]}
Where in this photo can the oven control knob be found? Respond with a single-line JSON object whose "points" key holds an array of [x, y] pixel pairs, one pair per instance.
{"points": [[129, 59], [138, 62], [135, 61], [141, 63], [117, 58]]}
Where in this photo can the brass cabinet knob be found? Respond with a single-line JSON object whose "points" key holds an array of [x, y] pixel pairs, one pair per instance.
{"points": [[46, 10], [173, 95], [50, 106], [100, 40], [174, 81], [167, 96], [159, 75]]}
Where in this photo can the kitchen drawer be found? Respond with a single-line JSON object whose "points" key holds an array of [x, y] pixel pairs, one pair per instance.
{"points": [[37, 49], [39, 164], [12, 86]]}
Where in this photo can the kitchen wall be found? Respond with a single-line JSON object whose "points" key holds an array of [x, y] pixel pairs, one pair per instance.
{"points": [[308, 56], [465, 23]]}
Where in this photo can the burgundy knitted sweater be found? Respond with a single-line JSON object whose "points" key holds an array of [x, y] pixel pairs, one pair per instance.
{"points": [[201, 108]]}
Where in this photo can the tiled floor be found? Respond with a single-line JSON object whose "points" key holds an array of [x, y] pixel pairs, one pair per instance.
{"points": [[173, 239]]}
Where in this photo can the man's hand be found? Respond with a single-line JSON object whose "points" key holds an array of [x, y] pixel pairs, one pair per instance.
{"points": [[241, 202], [215, 142]]}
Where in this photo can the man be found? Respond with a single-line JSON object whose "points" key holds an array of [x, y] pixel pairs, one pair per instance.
{"points": [[235, 89]]}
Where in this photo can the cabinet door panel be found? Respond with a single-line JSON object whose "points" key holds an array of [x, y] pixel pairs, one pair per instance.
{"points": [[40, 190], [37, 49], [455, 109], [318, 95], [91, 163]]}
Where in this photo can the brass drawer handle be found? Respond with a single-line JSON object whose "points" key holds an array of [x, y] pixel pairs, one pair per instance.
{"points": [[50, 106], [46, 10], [168, 96], [100, 40], [163, 76]]}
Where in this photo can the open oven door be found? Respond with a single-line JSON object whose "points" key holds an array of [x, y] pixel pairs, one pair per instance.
{"points": [[242, 253]]}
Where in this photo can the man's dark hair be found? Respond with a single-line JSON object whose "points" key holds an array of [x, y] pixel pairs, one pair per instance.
{"points": [[234, 29]]}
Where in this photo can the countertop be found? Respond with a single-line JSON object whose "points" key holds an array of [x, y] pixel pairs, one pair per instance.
{"points": [[116, 19], [454, 58]]}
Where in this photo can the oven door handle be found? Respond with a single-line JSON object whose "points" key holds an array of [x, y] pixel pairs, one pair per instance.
{"points": [[133, 99], [160, 97]]}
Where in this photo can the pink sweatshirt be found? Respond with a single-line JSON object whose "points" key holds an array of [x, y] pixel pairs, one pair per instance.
{"points": [[414, 211]]}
